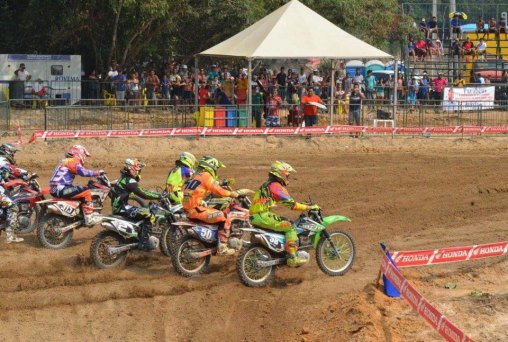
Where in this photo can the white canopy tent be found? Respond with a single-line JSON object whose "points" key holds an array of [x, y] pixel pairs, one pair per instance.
{"points": [[294, 31]]}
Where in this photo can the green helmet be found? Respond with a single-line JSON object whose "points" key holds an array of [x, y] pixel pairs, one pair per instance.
{"points": [[210, 164], [281, 171], [187, 159]]}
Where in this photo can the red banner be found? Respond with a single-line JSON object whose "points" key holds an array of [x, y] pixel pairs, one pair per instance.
{"points": [[436, 320], [228, 131], [446, 255]]}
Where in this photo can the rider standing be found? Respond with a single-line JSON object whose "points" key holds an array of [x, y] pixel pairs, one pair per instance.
{"points": [[63, 176], [197, 188], [274, 191], [183, 170], [128, 184]]}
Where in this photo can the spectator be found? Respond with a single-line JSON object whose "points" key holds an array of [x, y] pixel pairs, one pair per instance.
{"points": [[439, 84], [358, 79], [187, 91], [455, 25], [481, 49], [213, 73], [501, 27], [423, 90], [411, 49], [492, 28], [120, 81], [204, 94], [281, 81], [310, 112], [220, 97], [355, 105], [274, 104], [343, 99], [22, 74], [134, 90], [431, 48], [432, 27], [456, 48], [401, 90], [468, 48], [39, 91], [438, 49], [92, 86], [347, 83], [241, 88], [176, 86], [370, 82], [423, 28], [460, 81], [380, 89], [480, 79], [480, 27], [152, 86], [412, 91], [257, 105], [302, 77], [228, 87], [165, 88], [421, 49]]}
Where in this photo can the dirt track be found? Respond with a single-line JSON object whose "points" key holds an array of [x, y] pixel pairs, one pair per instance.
{"points": [[410, 193]]}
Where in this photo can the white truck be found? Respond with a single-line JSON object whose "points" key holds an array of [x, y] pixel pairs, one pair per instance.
{"points": [[60, 74]]}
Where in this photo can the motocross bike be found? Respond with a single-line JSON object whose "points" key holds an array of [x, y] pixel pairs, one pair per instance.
{"points": [[26, 193], [191, 251], [335, 250], [111, 247], [176, 232], [61, 216]]}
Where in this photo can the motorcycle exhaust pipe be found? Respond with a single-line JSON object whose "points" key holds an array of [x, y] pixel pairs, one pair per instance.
{"points": [[71, 226], [120, 249], [197, 255]]}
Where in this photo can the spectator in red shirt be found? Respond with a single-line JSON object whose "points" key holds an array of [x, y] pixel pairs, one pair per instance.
{"points": [[439, 84], [468, 48], [310, 112], [421, 49]]}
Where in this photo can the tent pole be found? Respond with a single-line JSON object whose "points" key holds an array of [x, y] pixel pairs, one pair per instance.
{"points": [[332, 91], [395, 79], [196, 83], [249, 93]]}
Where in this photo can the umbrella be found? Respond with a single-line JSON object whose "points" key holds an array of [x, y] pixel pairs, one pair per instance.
{"points": [[461, 15]]}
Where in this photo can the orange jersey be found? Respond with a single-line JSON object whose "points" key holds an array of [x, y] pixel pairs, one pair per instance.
{"points": [[197, 188]]}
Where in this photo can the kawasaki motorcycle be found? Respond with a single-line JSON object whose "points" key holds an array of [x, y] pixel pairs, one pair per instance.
{"points": [[110, 247], [335, 250]]}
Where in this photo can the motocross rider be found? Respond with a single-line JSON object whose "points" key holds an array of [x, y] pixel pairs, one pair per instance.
{"points": [[8, 167], [274, 191], [197, 188], [127, 184], [183, 170], [61, 181], [11, 216]]}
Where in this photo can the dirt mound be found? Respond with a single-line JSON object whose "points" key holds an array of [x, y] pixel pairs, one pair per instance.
{"points": [[412, 193]]}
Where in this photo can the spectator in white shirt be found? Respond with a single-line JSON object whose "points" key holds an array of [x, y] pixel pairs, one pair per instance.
{"points": [[481, 49], [22, 74]]}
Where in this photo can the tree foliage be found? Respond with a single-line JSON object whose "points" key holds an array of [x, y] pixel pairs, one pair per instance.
{"points": [[134, 31]]}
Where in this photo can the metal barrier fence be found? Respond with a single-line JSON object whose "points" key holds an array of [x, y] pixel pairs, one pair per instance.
{"points": [[129, 116]]}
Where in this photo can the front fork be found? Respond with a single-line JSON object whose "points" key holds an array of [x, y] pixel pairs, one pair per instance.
{"points": [[327, 236]]}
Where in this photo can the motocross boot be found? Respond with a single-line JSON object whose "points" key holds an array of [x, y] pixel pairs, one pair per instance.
{"points": [[144, 238], [11, 237], [223, 248], [293, 259], [90, 218]]}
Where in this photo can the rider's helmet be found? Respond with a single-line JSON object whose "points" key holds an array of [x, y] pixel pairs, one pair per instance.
{"points": [[8, 151], [210, 164], [187, 159], [281, 171], [133, 167], [78, 151]]}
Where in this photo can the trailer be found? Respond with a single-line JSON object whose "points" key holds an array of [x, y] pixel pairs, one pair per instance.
{"points": [[59, 74]]}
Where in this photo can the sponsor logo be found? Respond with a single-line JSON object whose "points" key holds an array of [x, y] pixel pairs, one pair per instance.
{"points": [[429, 313], [120, 133], [93, 133], [411, 258], [450, 332], [452, 255], [411, 295], [491, 250]]}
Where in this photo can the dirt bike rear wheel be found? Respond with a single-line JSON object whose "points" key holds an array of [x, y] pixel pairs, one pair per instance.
{"points": [[183, 262], [327, 261], [98, 250], [251, 274], [48, 232]]}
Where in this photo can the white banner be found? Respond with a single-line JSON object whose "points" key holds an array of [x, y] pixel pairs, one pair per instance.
{"points": [[468, 98]]}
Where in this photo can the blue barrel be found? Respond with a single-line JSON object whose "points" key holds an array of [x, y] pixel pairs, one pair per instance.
{"points": [[390, 290]]}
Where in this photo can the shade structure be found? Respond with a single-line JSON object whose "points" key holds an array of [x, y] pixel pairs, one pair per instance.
{"points": [[295, 31]]}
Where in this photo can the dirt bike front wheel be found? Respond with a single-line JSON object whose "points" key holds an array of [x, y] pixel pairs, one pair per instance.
{"points": [[250, 272], [99, 250], [335, 255]]}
